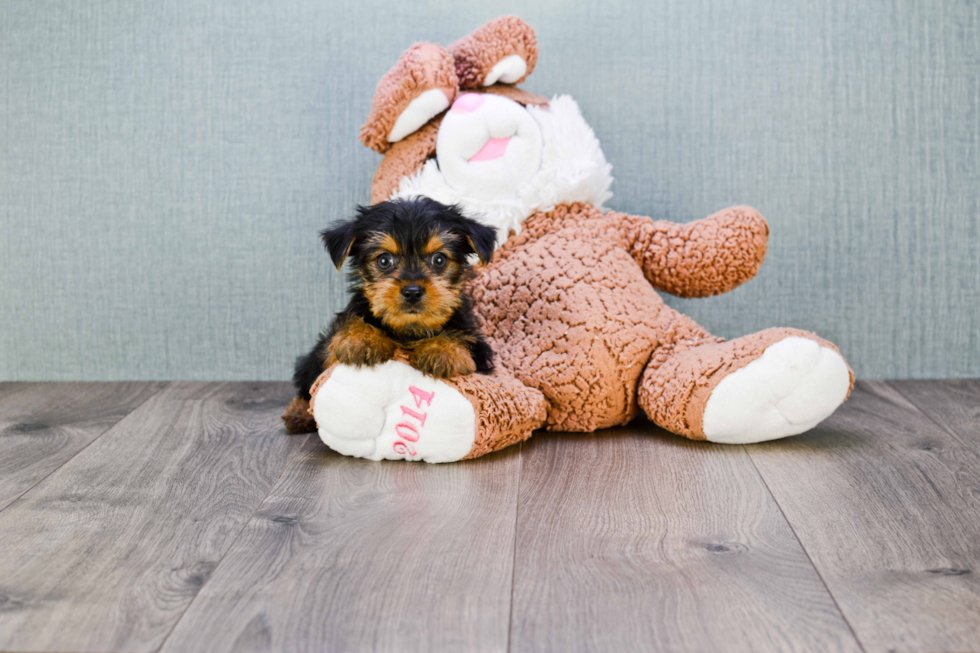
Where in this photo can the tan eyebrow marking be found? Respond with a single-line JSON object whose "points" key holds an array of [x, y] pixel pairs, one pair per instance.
{"points": [[435, 244], [388, 243]]}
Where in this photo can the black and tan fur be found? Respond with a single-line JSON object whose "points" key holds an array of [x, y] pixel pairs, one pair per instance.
{"points": [[409, 267]]}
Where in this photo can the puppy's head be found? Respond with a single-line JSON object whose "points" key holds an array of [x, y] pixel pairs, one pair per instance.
{"points": [[409, 258]]}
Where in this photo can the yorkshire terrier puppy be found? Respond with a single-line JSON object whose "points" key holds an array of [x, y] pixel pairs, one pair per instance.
{"points": [[409, 266]]}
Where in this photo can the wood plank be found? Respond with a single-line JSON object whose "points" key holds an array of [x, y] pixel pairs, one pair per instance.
{"points": [[42, 425], [637, 540], [352, 555], [954, 404], [10, 387], [107, 552], [887, 505]]}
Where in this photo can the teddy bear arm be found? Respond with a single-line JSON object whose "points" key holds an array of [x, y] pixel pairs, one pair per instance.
{"points": [[698, 259]]}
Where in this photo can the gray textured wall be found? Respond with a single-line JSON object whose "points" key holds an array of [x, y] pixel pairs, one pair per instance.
{"points": [[166, 166]]}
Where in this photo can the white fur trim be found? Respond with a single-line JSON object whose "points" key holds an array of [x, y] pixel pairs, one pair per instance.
{"points": [[359, 412], [508, 70], [793, 386], [573, 169], [418, 112]]}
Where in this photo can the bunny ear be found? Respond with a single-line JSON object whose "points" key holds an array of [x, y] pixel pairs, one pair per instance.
{"points": [[404, 159], [419, 87], [503, 50]]}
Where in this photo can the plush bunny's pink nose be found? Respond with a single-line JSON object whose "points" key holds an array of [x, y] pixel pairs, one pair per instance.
{"points": [[467, 102]]}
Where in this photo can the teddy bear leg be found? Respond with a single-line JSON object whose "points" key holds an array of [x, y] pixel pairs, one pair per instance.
{"points": [[763, 386], [394, 412]]}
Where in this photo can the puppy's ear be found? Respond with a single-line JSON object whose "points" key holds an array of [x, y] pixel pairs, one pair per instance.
{"points": [[481, 238], [339, 239]]}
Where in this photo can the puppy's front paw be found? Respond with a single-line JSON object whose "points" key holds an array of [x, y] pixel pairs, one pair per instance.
{"points": [[442, 358], [359, 352], [359, 343]]}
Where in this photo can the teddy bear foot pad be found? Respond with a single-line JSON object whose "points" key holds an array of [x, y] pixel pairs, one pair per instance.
{"points": [[393, 412], [795, 384]]}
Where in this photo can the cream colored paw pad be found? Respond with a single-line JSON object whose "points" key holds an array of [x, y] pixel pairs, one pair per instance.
{"points": [[393, 412], [793, 386]]}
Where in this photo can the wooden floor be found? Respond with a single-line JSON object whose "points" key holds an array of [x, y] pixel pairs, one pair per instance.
{"points": [[181, 517]]}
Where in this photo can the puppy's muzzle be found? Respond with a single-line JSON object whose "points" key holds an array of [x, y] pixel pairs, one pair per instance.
{"points": [[413, 293]]}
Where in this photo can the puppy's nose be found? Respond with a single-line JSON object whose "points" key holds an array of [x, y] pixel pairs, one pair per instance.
{"points": [[413, 293]]}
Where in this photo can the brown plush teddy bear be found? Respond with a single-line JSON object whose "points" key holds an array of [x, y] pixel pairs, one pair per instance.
{"points": [[568, 302]]}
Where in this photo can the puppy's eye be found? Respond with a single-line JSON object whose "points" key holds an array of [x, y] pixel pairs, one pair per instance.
{"points": [[385, 262], [439, 260]]}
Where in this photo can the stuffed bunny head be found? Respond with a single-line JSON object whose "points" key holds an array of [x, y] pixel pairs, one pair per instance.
{"points": [[454, 127]]}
